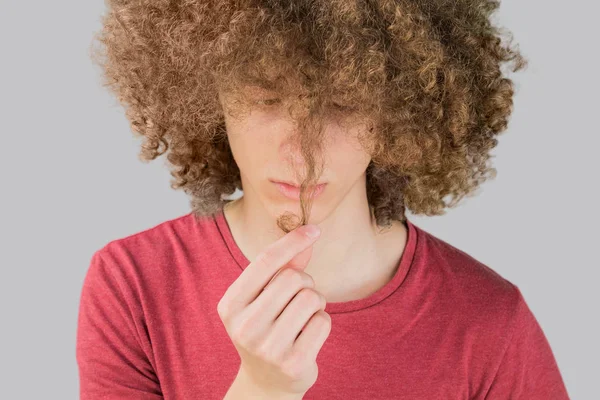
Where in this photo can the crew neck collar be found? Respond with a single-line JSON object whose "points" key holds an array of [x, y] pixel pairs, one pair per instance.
{"points": [[335, 307]]}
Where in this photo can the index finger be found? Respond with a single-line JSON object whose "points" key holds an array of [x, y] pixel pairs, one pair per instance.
{"points": [[260, 272]]}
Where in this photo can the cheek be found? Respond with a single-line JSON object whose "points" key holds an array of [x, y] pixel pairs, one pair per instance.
{"points": [[348, 162], [346, 154], [250, 151], [244, 153]]}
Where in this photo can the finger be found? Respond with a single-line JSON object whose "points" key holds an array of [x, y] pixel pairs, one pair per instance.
{"points": [[294, 318], [300, 261], [277, 295], [312, 337], [258, 273]]}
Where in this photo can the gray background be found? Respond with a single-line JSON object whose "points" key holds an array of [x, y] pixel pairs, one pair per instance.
{"points": [[71, 182]]}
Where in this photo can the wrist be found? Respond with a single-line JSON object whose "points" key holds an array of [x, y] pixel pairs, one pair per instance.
{"points": [[244, 388]]}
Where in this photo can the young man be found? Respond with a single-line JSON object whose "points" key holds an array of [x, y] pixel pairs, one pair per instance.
{"points": [[234, 300]]}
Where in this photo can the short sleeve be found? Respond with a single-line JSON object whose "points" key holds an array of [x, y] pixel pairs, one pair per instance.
{"points": [[528, 370], [110, 358]]}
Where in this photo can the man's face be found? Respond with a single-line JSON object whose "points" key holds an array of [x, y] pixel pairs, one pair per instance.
{"points": [[261, 146]]}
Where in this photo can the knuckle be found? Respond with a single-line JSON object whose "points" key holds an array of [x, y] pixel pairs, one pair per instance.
{"points": [[242, 333], [292, 276], [223, 309], [265, 353], [226, 309], [310, 297], [237, 336], [264, 258], [297, 278], [310, 282], [323, 318]]}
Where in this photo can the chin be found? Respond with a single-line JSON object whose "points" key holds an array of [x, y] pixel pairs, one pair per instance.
{"points": [[280, 207]]}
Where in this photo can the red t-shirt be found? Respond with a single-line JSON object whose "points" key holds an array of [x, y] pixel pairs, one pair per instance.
{"points": [[445, 327]]}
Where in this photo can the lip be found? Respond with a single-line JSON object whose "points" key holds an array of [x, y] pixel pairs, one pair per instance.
{"points": [[293, 192]]}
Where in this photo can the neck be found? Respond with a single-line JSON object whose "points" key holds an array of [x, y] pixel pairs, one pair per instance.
{"points": [[352, 258]]}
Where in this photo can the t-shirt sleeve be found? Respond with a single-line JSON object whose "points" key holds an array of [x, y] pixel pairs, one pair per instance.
{"points": [[111, 360], [528, 369]]}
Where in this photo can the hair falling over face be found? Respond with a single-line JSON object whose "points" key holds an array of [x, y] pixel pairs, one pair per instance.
{"points": [[311, 146], [427, 74]]}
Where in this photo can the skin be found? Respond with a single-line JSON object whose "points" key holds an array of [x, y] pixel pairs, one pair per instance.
{"points": [[352, 258]]}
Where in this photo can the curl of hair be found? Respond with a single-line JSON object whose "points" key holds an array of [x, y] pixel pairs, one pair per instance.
{"points": [[426, 73]]}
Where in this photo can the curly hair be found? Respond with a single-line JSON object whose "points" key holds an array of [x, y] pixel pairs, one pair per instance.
{"points": [[426, 75]]}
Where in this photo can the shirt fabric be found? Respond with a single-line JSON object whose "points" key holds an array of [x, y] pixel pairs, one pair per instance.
{"points": [[445, 326]]}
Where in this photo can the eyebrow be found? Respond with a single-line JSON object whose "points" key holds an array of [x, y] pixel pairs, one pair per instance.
{"points": [[262, 84], [259, 89]]}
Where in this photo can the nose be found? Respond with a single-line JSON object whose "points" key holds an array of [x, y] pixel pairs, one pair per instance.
{"points": [[290, 152]]}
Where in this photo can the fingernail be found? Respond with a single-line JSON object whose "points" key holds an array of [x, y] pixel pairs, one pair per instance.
{"points": [[312, 231]]}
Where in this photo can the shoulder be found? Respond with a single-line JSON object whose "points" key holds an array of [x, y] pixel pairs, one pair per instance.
{"points": [[471, 289], [490, 315], [156, 251], [157, 233], [183, 230]]}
